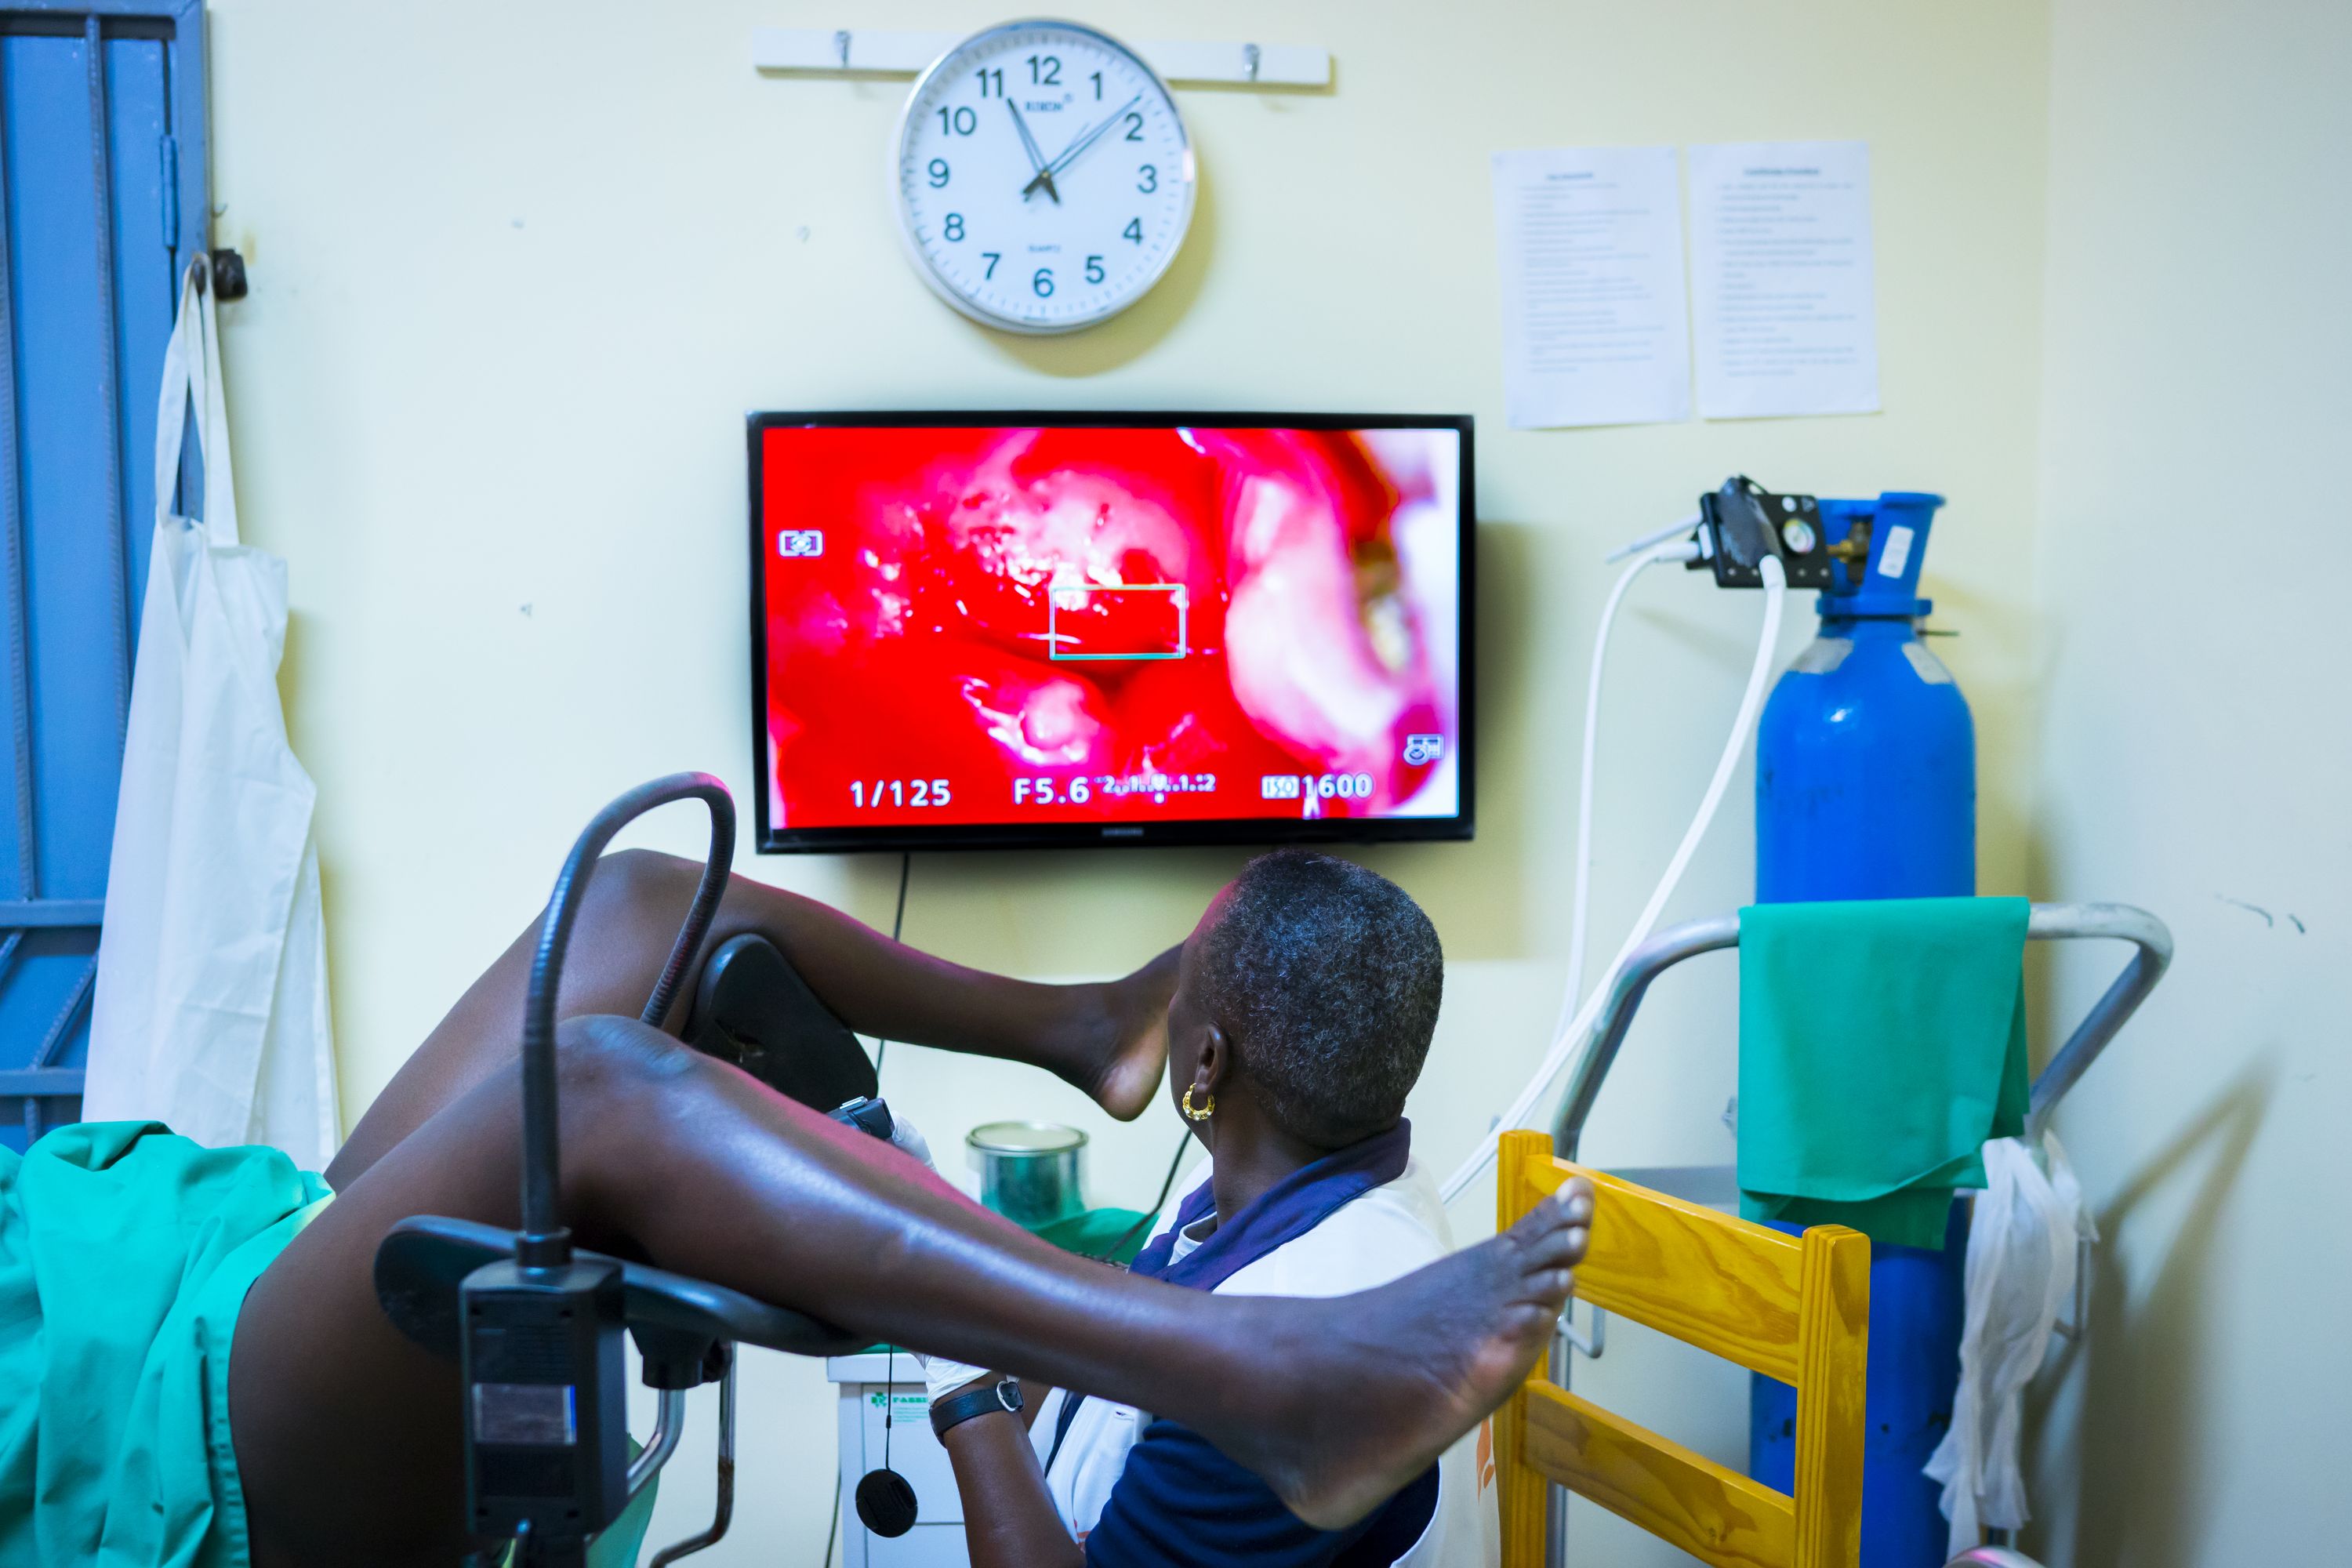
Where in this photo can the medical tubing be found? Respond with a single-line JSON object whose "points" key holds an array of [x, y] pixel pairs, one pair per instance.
{"points": [[1580, 905], [1687, 525], [544, 1243], [1751, 702]]}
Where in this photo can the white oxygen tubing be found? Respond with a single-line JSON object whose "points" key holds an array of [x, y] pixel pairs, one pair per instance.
{"points": [[1751, 701], [1685, 527], [1581, 905]]}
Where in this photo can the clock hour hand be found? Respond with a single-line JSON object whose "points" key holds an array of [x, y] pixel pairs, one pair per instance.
{"points": [[1070, 152], [1037, 157]]}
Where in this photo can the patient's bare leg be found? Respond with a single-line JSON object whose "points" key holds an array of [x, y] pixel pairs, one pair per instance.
{"points": [[347, 1436], [1110, 1039]]}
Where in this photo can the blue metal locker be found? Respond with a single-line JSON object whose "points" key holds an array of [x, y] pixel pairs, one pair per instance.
{"points": [[103, 164]]}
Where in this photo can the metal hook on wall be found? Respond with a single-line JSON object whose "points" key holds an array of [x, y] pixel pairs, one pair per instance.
{"points": [[229, 275], [883, 51]]}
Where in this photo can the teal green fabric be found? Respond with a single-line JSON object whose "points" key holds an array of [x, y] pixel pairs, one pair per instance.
{"points": [[125, 1254], [1881, 1043], [625, 1536]]}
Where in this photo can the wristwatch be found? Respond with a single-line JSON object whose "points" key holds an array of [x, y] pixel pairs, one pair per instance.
{"points": [[957, 1408]]}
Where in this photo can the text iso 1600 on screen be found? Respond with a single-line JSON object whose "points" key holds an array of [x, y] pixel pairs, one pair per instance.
{"points": [[1042, 633]]}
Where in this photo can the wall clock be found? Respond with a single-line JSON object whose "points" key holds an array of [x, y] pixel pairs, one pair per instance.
{"points": [[1043, 177]]}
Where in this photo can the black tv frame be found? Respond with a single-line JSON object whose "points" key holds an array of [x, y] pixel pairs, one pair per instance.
{"points": [[769, 839]]}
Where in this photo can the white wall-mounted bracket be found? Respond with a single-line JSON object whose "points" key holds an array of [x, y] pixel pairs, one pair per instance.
{"points": [[875, 51]]}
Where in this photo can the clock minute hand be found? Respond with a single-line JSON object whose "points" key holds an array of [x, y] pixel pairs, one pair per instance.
{"points": [[1037, 157], [1071, 152]]}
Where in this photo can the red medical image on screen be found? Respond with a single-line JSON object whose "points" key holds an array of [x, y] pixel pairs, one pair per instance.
{"points": [[1088, 624]]}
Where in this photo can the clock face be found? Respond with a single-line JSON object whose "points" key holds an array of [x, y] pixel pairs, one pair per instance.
{"points": [[1045, 180]]}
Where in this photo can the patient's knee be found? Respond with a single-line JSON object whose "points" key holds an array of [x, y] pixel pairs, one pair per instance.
{"points": [[602, 1059], [631, 879]]}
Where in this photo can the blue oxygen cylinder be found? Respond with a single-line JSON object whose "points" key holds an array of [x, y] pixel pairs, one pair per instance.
{"points": [[1865, 788]]}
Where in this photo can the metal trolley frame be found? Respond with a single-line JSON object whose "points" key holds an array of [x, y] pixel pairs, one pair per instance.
{"points": [[2152, 945]]}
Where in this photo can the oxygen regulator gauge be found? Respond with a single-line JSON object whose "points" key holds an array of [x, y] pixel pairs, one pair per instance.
{"points": [[1743, 523], [1043, 177]]}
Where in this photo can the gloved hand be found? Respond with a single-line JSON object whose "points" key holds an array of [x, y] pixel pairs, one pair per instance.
{"points": [[908, 1141], [942, 1377]]}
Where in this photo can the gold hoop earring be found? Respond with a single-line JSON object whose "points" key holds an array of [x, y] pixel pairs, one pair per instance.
{"points": [[1204, 1112]]}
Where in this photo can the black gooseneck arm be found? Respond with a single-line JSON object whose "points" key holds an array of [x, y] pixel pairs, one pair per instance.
{"points": [[545, 1243]]}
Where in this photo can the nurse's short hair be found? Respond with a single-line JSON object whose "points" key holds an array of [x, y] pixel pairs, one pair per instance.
{"points": [[1327, 978]]}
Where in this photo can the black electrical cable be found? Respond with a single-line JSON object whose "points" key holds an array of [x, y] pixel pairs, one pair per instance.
{"points": [[832, 1530], [890, 1397], [1157, 1203], [897, 924], [881, 1050]]}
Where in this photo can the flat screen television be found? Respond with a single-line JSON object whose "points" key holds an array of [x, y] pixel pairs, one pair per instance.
{"points": [[1037, 629]]}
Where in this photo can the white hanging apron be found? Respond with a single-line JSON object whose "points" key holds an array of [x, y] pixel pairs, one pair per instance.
{"points": [[210, 1012]]}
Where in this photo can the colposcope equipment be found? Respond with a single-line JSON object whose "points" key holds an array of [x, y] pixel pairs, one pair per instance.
{"points": [[536, 1323]]}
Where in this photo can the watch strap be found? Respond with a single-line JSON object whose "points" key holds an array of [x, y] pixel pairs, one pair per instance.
{"points": [[958, 1408]]}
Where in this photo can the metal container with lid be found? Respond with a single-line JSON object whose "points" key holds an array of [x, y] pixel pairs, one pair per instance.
{"points": [[1028, 1170]]}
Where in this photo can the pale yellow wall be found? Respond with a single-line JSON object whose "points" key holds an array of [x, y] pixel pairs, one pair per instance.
{"points": [[2196, 758], [520, 268]]}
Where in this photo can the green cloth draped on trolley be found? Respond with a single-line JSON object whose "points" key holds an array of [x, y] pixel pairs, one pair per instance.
{"points": [[1881, 1043]]}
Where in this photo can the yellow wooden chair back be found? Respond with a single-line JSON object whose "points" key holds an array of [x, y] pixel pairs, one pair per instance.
{"points": [[1793, 1308]]}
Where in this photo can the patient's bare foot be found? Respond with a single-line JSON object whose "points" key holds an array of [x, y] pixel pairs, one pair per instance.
{"points": [[1128, 1077], [1384, 1382]]}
